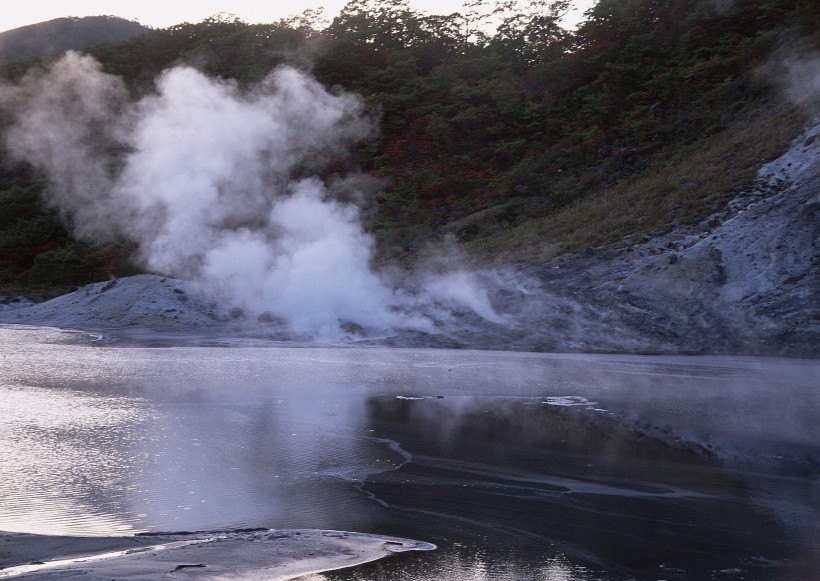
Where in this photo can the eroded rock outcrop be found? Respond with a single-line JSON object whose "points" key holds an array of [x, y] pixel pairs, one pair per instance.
{"points": [[746, 280]]}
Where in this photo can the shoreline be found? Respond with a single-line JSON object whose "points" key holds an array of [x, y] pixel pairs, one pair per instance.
{"points": [[259, 554]]}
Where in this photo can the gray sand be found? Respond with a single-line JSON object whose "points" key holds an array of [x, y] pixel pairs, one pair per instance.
{"points": [[264, 555]]}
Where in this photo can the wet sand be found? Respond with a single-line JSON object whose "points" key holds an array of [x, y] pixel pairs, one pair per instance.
{"points": [[264, 555]]}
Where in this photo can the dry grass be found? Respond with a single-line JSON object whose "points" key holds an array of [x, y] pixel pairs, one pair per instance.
{"points": [[683, 185]]}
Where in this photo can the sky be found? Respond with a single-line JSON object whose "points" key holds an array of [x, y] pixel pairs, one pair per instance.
{"points": [[163, 13]]}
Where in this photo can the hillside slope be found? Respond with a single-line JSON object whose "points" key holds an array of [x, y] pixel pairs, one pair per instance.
{"points": [[744, 281], [606, 179], [61, 34], [518, 146]]}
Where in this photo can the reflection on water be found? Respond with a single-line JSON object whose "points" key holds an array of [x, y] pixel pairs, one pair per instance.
{"points": [[602, 490], [459, 563], [63, 468], [517, 465]]}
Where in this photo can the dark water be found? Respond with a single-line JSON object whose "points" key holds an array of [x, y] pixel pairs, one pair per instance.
{"points": [[517, 465]]}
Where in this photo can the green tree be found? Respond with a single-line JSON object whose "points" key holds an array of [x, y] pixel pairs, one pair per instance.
{"points": [[529, 31]]}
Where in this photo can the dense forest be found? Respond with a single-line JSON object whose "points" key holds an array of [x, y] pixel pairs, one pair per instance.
{"points": [[498, 128]]}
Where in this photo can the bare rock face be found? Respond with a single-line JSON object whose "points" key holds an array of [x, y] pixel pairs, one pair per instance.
{"points": [[756, 276], [749, 282], [765, 249]]}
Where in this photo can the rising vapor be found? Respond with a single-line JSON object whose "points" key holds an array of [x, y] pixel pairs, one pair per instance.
{"points": [[218, 185], [796, 71]]}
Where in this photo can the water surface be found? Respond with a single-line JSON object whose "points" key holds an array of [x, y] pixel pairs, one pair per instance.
{"points": [[517, 465]]}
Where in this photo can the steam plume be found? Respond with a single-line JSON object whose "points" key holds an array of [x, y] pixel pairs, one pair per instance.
{"points": [[217, 184], [797, 72]]}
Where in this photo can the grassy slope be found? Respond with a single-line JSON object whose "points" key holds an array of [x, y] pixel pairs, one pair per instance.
{"points": [[683, 185]]}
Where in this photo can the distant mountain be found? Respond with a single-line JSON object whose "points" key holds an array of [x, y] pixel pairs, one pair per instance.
{"points": [[61, 34]]}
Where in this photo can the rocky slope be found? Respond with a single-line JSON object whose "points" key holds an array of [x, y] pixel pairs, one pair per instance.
{"points": [[746, 280]]}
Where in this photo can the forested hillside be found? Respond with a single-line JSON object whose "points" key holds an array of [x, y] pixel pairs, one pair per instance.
{"points": [[520, 143]]}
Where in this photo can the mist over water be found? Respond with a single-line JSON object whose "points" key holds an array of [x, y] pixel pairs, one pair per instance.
{"points": [[219, 184]]}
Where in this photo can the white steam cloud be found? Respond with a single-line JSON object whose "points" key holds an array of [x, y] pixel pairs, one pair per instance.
{"points": [[797, 72], [217, 184]]}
